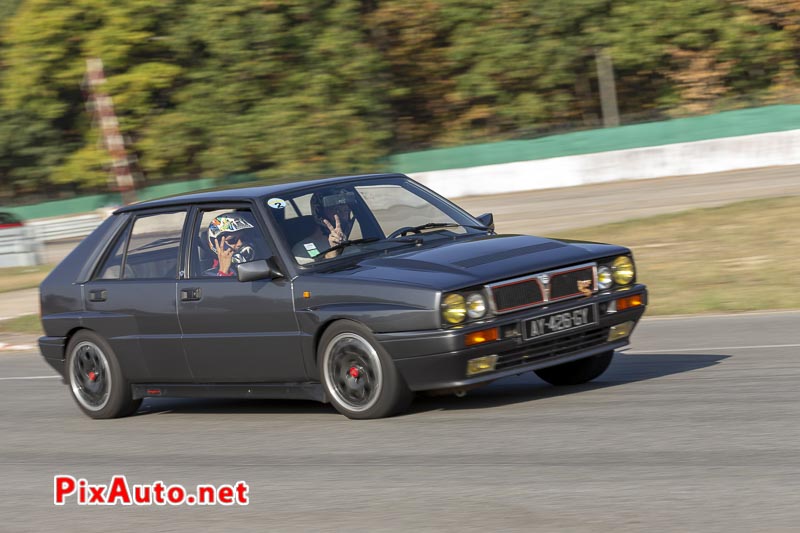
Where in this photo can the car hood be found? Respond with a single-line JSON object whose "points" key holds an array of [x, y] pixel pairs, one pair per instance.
{"points": [[471, 261]]}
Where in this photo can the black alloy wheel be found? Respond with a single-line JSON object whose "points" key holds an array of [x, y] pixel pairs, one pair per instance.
{"points": [[90, 378], [96, 380], [359, 377]]}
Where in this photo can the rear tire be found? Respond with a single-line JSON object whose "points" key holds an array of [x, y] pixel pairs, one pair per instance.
{"points": [[95, 378], [576, 372], [359, 376]]}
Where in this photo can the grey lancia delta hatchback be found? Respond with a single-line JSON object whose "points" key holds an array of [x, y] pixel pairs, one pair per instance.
{"points": [[356, 291]]}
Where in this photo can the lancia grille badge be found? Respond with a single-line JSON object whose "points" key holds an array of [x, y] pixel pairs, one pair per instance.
{"points": [[585, 287], [544, 279]]}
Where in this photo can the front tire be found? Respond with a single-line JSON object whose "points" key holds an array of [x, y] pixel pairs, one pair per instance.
{"points": [[359, 376], [96, 380], [576, 372]]}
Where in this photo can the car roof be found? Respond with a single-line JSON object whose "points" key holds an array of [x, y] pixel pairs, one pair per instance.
{"points": [[249, 193]]}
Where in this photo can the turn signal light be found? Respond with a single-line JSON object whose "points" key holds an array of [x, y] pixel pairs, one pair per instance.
{"points": [[481, 364], [629, 302], [484, 335]]}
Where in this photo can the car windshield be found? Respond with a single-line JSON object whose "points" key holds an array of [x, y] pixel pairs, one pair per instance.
{"points": [[328, 222]]}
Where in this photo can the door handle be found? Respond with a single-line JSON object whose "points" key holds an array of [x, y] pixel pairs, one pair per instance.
{"points": [[98, 295], [190, 295]]}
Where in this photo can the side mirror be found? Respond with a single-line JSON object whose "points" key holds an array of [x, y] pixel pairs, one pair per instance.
{"points": [[487, 219], [255, 270]]}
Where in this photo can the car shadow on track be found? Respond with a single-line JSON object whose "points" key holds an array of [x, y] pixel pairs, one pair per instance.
{"points": [[163, 406], [626, 368]]}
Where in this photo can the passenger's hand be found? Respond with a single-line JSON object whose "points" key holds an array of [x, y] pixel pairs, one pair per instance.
{"points": [[336, 235]]}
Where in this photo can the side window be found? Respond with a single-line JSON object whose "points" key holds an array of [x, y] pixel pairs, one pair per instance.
{"points": [[112, 267], [300, 206], [154, 246], [224, 238]]}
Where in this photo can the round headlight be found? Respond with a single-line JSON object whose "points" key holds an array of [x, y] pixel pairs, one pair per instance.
{"points": [[476, 305], [454, 308], [623, 270], [604, 278]]}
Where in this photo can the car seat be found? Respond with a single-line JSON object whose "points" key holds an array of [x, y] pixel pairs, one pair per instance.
{"points": [[298, 228]]}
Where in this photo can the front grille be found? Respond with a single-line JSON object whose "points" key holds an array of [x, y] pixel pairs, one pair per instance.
{"points": [[553, 347], [517, 295], [537, 289], [565, 284]]}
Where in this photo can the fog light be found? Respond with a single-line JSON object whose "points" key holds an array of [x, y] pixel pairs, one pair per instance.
{"points": [[628, 302], [484, 335], [481, 364], [620, 331]]}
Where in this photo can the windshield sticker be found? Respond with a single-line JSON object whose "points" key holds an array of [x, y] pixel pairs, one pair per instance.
{"points": [[276, 203], [311, 248]]}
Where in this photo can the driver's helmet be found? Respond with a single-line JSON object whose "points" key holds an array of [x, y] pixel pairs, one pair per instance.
{"points": [[335, 199], [233, 224]]}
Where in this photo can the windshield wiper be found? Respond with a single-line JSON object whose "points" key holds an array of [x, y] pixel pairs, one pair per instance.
{"points": [[347, 243], [431, 225]]}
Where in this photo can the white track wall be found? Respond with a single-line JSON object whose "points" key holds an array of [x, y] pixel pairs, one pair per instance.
{"points": [[701, 157]]}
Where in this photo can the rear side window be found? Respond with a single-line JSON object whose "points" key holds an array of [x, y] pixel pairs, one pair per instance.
{"points": [[154, 246], [113, 265]]}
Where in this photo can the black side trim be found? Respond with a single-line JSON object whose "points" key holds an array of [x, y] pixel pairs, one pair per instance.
{"points": [[265, 391]]}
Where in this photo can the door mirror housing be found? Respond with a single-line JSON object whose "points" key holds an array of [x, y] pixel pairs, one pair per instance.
{"points": [[255, 270], [487, 219]]}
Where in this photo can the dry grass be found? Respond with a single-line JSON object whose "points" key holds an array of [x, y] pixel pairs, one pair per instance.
{"points": [[15, 278], [22, 324], [739, 257]]}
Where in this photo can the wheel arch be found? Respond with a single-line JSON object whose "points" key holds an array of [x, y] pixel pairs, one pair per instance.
{"points": [[325, 327], [71, 333]]}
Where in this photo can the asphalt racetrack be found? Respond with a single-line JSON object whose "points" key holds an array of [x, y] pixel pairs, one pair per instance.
{"points": [[695, 428]]}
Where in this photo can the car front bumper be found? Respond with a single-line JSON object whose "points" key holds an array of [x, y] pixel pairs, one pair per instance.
{"points": [[438, 359]]}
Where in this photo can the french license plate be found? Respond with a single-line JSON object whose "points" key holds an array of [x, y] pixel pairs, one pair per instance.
{"points": [[561, 321]]}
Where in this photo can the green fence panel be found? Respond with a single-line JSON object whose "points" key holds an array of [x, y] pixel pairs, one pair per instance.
{"points": [[727, 124], [171, 189], [67, 206], [87, 204]]}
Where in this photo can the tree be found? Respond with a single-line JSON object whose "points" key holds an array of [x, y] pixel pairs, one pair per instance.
{"points": [[279, 89], [701, 56]]}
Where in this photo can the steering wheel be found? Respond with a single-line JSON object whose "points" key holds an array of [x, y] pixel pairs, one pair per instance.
{"points": [[401, 232]]}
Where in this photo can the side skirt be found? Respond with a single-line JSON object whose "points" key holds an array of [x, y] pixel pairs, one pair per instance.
{"points": [[266, 391]]}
